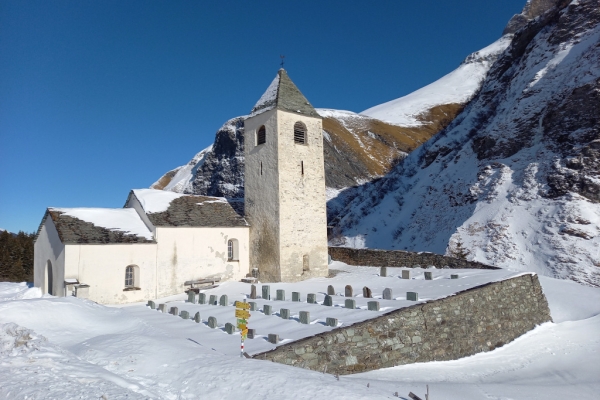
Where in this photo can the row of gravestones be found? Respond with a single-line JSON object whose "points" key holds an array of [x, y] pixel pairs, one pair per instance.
{"points": [[211, 322], [406, 273]]}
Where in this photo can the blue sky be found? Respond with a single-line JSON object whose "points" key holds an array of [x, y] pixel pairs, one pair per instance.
{"points": [[99, 97]]}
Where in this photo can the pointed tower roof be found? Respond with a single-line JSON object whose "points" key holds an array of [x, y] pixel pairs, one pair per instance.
{"points": [[283, 94]]}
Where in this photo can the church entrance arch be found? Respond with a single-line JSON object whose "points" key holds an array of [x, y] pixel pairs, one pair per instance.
{"points": [[48, 278]]}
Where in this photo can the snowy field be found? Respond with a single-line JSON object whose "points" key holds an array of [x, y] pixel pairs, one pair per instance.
{"points": [[68, 348]]}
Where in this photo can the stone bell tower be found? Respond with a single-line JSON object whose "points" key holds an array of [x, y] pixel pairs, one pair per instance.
{"points": [[285, 185]]}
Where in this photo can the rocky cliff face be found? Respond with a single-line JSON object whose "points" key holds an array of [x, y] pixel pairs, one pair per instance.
{"points": [[514, 180]]}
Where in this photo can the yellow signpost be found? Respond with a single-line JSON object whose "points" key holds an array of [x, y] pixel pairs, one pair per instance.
{"points": [[242, 314]]}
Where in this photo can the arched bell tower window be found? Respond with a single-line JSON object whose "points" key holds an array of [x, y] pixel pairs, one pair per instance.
{"points": [[299, 133], [261, 135]]}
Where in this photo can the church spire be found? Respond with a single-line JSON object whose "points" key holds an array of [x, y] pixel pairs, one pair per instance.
{"points": [[284, 95]]}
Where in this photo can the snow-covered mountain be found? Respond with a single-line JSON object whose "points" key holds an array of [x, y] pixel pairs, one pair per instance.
{"points": [[455, 88], [514, 180]]}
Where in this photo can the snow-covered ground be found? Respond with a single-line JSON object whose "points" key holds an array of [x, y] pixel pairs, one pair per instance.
{"points": [[65, 348], [459, 86]]}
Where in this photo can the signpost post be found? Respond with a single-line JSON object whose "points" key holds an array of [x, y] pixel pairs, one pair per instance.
{"points": [[242, 314]]}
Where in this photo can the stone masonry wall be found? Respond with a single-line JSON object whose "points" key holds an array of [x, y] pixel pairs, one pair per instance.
{"points": [[469, 322], [399, 258]]}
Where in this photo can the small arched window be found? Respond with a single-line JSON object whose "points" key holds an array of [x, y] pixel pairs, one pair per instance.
{"points": [[299, 133], [132, 277], [232, 250], [261, 135]]}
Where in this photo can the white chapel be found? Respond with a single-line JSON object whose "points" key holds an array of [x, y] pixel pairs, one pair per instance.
{"points": [[160, 240]]}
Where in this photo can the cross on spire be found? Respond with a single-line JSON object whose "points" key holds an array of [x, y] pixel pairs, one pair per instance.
{"points": [[282, 60]]}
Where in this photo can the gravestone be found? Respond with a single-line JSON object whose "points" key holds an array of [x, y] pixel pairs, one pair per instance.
{"points": [[383, 272], [387, 294], [348, 291], [284, 313], [431, 266], [184, 314], [311, 298], [224, 300], [151, 304], [428, 276], [202, 298], [373, 305], [454, 276], [367, 293], [191, 297], [162, 308], [295, 296], [405, 274], [197, 318], [212, 300], [273, 338], [267, 309], [412, 296], [280, 295], [174, 311], [212, 322], [330, 290], [328, 301], [416, 266], [251, 333], [304, 317], [229, 328], [331, 322], [253, 292], [253, 306], [350, 303], [266, 292]]}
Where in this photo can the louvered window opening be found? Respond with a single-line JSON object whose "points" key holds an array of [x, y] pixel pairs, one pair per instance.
{"points": [[299, 133], [261, 136]]}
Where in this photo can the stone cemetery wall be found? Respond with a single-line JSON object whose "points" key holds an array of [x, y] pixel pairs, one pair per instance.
{"points": [[472, 321], [399, 258]]}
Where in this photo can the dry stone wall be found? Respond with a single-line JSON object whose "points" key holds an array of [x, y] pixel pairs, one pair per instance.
{"points": [[469, 322], [399, 258]]}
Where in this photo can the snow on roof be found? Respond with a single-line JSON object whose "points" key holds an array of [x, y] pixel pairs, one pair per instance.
{"points": [[284, 95], [125, 220], [268, 100], [458, 86], [155, 201]]}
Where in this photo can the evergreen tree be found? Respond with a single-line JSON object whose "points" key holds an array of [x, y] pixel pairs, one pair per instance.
{"points": [[16, 257]]}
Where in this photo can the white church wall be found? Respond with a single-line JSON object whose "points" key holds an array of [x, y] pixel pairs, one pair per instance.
{"points": [[102, 266], [189, 253], [302, 214], [261, 194], [132, 202], [49, 248]]}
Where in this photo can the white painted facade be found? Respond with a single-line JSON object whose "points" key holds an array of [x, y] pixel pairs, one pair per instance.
{"points": [[179, 254], [285, 197]]}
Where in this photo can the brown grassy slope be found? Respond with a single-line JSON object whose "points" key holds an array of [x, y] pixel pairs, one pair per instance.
{"points": [[362, 147], [164, 180]]}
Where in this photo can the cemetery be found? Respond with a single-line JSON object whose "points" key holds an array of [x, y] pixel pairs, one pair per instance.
{"points": [[362, 319]]}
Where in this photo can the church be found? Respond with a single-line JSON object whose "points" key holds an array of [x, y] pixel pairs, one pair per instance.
{"points": [[161, 241]]}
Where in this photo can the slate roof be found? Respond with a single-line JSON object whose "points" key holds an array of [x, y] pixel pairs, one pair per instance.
{"points": [[199, 211], [285, 96], [75, 230]]}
